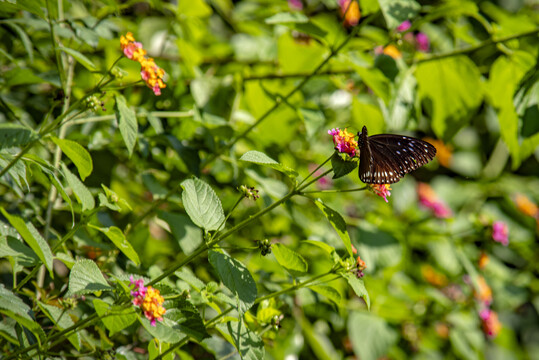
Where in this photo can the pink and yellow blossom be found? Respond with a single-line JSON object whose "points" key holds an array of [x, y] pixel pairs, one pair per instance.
{"points": [[500, 232], [344, 141], [382, 190], [490, 323], [148, 299]]}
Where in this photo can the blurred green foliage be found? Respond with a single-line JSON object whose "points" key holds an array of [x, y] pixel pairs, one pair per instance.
{"points": [[101, 179]]}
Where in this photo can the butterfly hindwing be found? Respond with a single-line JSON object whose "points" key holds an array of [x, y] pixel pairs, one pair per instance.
{"points": [[386, 158]]}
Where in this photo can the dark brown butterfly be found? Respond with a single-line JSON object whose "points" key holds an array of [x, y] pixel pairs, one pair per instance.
{"points": [[386, 158]]}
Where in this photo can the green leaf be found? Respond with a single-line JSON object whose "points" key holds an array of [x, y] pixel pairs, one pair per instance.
{"points": [[114, 317], [202, 204], [293, 262], [287, 17], [189, 237], [186, 318], [127, 121], [83, 195], [260, 158], [118, 238], [32, 237], [367, 114], [371, 336], [375, 80], [397, 11], [163, 330], [12, 135], [322, 245], [342, 167], [82, 59], [156, 348], [86, 278], [15, 248], [78, 154], [236, 277], [251, 346], [328, 291], [358, 285], [338, 224], [505, 76], [194, 8], [451, 90], [15, 308], [60, 317]]}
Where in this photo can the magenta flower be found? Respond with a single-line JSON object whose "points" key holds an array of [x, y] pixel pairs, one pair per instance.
{"points": [[295, 4], [422, 42], [490, 323], [405, 25], [381, 190], [344, 141], [500, 232]]}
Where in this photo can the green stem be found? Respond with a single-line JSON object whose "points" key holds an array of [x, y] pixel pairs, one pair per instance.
{"points": [[334, 191], [279, 101], [476, 47], [315, 170], [294, 287], [297, 75], [315, 180]]}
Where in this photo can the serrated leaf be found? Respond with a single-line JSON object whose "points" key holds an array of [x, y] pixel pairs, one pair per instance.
{"points": [[260, 158], [118, 238], [370, 335], [287, 17], [236, 277], [12, 135], [83, 195], [114, 317], [338, 224], [293, 262], [341, 167], [329, 292], [85, 278], [251, 346], [78, 154], [32, 237], [202, 204], [81, 59], [15, 248], [62, 320], [358, 286], [15, 308], [163, 330], [187, 319], [397, 11], [127, 121]]}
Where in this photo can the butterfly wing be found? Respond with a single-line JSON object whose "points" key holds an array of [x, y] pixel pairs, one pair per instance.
{"points": [[389, 157]]}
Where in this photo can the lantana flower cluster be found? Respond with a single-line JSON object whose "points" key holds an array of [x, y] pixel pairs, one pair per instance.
{"points": [[148, 299], [429, 199], [350, 12], [150, 72]]}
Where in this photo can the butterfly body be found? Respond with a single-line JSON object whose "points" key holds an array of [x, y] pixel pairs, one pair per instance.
{"points": [[386, 158]]}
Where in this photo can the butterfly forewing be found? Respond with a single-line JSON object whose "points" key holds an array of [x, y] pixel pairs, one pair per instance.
{"points": [[386, 158]]}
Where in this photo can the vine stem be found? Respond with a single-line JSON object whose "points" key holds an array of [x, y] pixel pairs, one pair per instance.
{"points": [[279, 100], [476, 47]]}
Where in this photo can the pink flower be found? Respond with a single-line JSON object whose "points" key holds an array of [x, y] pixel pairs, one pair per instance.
{"points": [[490, 323], [295, 4], [381, 190], [405, 25], [422, 42], [324, 182], [500, 232], [344, 141], [148, 299], [429, 199]]}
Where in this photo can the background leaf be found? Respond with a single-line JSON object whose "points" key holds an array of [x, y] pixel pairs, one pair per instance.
{"points": [[127, 122], [79, 155], [86, 278], [202, 204], [236, 277]]}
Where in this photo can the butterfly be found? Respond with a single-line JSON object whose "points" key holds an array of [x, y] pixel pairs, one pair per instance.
{"points": [[386, 158]]}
